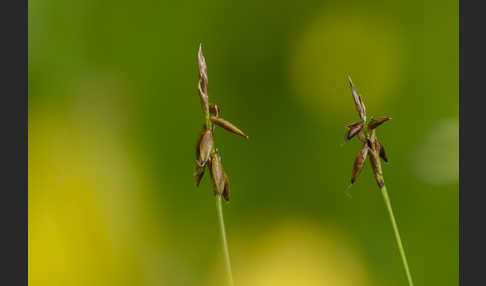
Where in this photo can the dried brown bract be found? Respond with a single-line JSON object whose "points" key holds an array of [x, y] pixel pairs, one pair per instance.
{"points": [[358, 101], [359, 163], [218, 176], [375, 159], [353, 129], [227, 125], [377, 122], [372, 148], [217, 173], [206, 156], [203, 81], [205, 147], [382, 151], [198, 142]]}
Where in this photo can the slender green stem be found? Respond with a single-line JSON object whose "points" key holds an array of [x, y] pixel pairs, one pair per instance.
{"points": [[384, 192], [219, 208]]}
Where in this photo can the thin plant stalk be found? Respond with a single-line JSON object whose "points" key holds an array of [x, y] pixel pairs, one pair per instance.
{"points": [[219, 209], [227, 260], [386, 198]]}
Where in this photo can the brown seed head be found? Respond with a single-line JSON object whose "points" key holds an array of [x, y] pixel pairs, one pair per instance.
{"points": [[205, 156], [227, 125], [368, 139]]}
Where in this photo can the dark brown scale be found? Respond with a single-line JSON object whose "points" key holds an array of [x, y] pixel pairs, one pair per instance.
{"points": [[353, 129], [226, 190], [382, 151], [377, 122]]}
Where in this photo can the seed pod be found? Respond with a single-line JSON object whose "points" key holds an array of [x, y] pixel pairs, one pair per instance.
{"points": [[203, 81], [359, 163], [198, 173], [198, 142], [227, 125], [217, 173], [354, 129], [205, 148], [226, 190], [377, 122], [381, 150], [214, 109], [358, 101]]}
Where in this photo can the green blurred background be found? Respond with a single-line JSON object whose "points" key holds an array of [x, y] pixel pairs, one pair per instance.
{"points": [[114, 115]]}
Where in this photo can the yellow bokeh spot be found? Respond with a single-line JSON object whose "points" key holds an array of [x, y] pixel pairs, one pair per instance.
{"points": [[299, 253], [68, 233], [87, 220]]}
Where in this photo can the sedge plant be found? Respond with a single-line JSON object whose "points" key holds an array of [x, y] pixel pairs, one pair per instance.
{"points": [[207, 156], [372, 148]]}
